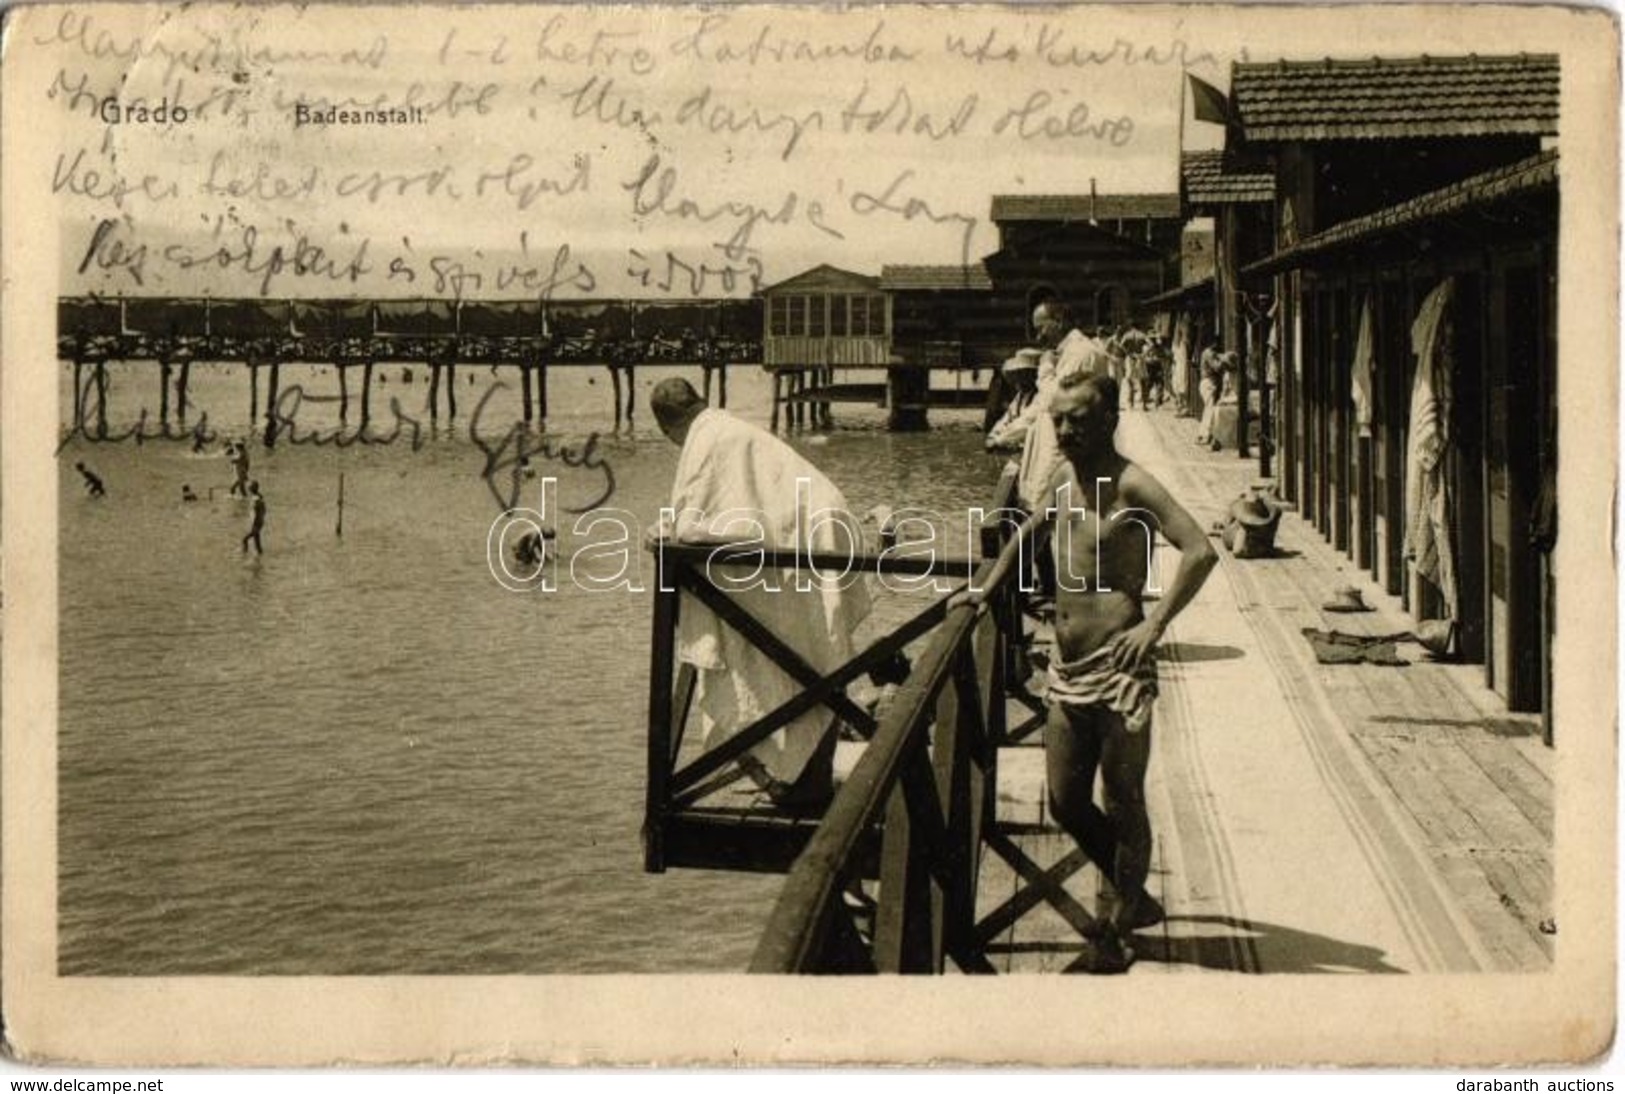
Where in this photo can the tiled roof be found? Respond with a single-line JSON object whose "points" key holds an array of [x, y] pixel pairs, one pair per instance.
{"points": [[1194, 290], [1008, 207], [1534, 173], [934, 277], [1396, 97], [823, 276], [1208, 183]]}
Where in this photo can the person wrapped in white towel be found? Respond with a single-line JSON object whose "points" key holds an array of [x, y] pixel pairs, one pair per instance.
{"points": [[736, 483]]}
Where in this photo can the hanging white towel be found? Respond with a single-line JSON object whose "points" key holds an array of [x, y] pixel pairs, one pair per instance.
{"points": [[1427, 500], [738, 483], [1361, 386]]}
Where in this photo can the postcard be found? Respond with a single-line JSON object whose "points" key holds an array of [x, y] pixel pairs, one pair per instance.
{"points": [[779, 534]]}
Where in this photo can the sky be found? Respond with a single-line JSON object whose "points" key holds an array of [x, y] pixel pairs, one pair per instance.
{"points": [[764, 141], [608, 151]]}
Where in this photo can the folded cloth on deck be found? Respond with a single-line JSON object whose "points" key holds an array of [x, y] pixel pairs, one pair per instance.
{"points": [[1093, 681], [738, 483], [1337, 648]]}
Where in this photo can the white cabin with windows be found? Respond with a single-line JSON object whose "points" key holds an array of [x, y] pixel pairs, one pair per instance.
{"points": [[826, 317]]}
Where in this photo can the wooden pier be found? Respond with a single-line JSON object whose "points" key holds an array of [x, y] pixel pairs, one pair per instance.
{"points": [[526, 336], [804, 394], [1422, 803]]}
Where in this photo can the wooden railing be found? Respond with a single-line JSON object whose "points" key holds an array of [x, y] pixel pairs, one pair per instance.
{"points": [[928, 779], [886, 882], [674, 791]]}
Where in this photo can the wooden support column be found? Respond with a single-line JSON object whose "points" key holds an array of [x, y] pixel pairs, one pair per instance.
{"points": [[253, 391], [908, 923], [1267, 429], [662, 656], [631, 393], [524, 390], [705, 373], [344, 392], [366, 394], [451, 389], [181, 385], [615, 381], [773, 423], [722, 387], [78, 391], [163, 390], [541, 394], [906, 389], [270, 404], [434, 391], [101, 398], [1232, 314]]}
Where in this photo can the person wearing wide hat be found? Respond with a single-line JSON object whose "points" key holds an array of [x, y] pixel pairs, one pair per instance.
{"points": [[1020, 373], [1249, 527]]}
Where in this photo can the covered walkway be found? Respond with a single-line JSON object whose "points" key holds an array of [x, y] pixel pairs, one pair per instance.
{"points": [[1309, 818]]}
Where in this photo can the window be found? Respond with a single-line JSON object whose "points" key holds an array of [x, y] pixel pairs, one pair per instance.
{"points": [[787, 317], [839, 316], [868, 316]]}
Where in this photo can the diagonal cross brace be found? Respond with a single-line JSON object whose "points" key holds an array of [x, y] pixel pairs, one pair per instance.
{"points": [[825, 686], [1042, 886]]}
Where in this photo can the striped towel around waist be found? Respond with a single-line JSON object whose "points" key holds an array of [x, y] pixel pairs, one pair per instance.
{"points": [[1093, 681]]}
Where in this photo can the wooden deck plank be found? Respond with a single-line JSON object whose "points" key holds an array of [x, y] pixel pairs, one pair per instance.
{"points": [[1524, 886], [1525, 786], [1437, 743]]}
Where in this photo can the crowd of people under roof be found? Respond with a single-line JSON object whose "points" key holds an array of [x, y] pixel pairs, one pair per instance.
{"points": [[1143, 365]]}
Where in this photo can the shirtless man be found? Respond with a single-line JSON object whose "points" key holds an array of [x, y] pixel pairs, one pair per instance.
{"points": [[1103, 681], [238, 451], [258, 520]]}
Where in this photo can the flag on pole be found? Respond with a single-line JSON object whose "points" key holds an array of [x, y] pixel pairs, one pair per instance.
{"points": [[1208, 102]]}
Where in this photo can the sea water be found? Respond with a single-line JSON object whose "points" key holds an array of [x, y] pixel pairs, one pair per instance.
{"points": [[359, 753]]}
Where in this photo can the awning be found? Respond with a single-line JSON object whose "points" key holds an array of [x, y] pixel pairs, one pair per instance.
{"points": [[1527, 176], [1197, 292]]}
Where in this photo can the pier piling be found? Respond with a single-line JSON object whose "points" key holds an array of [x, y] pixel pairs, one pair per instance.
{"points": [[344, 392], [101, 398], [434, 392], [270, 403], [181, 386], [253, 389]]}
